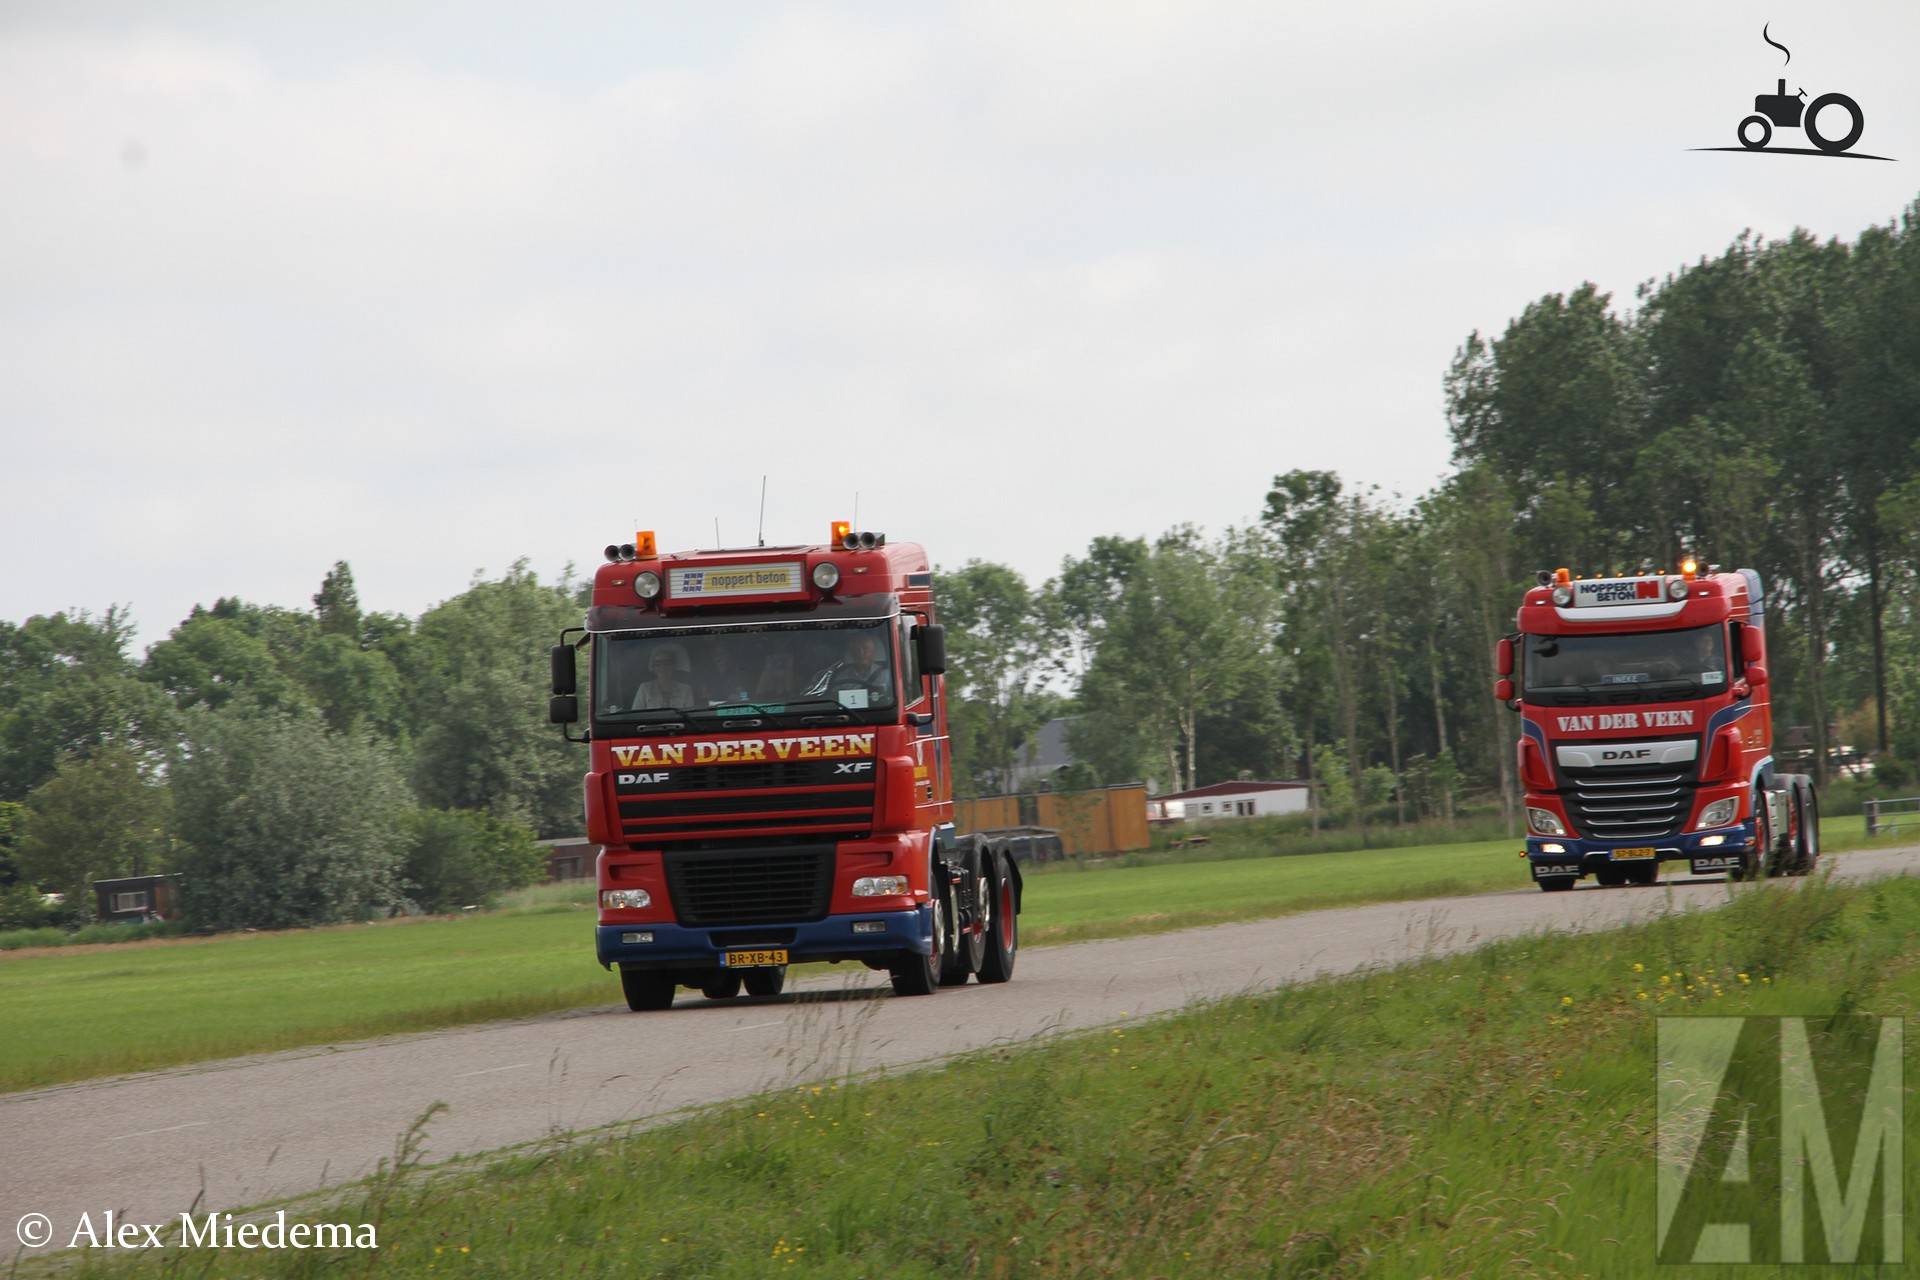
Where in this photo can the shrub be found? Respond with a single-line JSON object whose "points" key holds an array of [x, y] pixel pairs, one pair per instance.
{"points": [[461, 857], [22, 907], [284, 823]]}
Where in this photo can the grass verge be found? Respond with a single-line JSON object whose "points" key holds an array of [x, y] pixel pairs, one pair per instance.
{"points": [[190, 1000], [1488, 1114]]}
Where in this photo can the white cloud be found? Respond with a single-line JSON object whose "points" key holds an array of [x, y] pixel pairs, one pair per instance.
{"points": [[296, 286]]}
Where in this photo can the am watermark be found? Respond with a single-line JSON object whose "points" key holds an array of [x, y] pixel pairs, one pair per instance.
{"points": [[1779, 1140]]}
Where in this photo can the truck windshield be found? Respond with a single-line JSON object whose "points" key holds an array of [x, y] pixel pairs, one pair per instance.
{"points": [[1640, 666], [760, 670]]}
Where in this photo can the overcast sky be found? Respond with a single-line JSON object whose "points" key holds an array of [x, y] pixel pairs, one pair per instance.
{"points": [[285, 284]]}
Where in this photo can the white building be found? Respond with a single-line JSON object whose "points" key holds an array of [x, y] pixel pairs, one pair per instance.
{"points": [[1230, 800]]}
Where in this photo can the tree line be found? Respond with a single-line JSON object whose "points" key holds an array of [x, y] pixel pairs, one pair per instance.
{"points": [[1758, 408], [293, 766]]}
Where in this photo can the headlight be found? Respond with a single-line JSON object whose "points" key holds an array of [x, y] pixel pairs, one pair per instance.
{"points": [[1563, 596], [646, 584], [826, 575], [625, 899], [879, 886], [1718, 814], [1676, 588], [1545, 823]]}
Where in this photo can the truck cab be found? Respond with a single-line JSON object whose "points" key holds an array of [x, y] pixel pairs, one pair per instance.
{"points": [[770, 773], [1646, 730]]}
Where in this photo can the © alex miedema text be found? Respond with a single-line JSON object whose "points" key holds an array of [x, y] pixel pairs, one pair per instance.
{"points": [[222, 1231]]}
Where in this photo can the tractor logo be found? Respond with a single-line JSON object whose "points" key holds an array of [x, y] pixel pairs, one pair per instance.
{"points": [[1833, 122]]}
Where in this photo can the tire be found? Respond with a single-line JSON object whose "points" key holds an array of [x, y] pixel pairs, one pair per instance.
{"points": [[1643, 873], [765, 982], [1833, 146], [1753, 863], [1766, 132], [648, 990], [917, 975], [724, 985], [1556, 884], [969, 949], [1003, 920], [1808, 845], [1611, 877]]}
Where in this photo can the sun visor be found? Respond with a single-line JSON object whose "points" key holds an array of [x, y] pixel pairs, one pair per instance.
{"points": [[620, 617]]}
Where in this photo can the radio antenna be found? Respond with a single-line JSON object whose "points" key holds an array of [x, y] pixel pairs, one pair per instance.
{"points": [[761, 537], [856, 508], [717, 544]]}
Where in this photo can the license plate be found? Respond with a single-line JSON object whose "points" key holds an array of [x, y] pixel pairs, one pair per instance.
{"points": [[1632, 855], [752, 959]]}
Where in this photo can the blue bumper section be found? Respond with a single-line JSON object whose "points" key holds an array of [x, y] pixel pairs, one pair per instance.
{"points": [[679, 947], [1567, 855]]}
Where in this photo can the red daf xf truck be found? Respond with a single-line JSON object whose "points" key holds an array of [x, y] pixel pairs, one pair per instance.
{"points": [[771, 777], [1646, 730]]}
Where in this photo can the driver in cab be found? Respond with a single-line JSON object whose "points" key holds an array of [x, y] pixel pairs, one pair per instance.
{"points": [[860, 668], [666, 690]]}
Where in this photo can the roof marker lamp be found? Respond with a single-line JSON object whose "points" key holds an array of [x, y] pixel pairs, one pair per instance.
{"points": [[1689, 567], [1544, 822], [646, 584]]}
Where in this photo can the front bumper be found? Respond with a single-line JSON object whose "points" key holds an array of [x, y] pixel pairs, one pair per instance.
{"points": [[681, 947], [1549, 856]]}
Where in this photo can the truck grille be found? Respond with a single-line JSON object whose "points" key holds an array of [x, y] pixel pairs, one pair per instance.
{"points": [[716, 803], [1636, 803], [750, 886]]}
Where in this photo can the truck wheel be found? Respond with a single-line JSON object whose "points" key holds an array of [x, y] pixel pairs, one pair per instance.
{"points": [[724, 985], [1753, 862], [647, 989], [1643, 873], [1556, 884], [766, 982], [1611, 877], [1809, 843], [1003, 922], [917, 975], [969, 948]]}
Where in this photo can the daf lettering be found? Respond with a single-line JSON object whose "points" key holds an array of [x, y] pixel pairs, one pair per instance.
{"points": [[1637, 753], [640, 779]]}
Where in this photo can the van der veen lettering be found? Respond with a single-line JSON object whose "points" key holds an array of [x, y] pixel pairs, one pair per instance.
{"points": [[1608, 720], [819, 746]]}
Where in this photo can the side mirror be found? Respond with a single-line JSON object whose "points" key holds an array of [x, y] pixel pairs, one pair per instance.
{"points": [[1752, 647], [1503, 657], [1756, 674], [931, 641], [563, 708], [564, 679], [1503, 687]]}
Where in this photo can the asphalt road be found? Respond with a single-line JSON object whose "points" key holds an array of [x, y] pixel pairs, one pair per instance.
{"points": [[241, 1131]]}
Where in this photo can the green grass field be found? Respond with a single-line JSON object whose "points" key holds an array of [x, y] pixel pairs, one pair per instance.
{"points": [[1489, 1114], [187, 1000]]}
